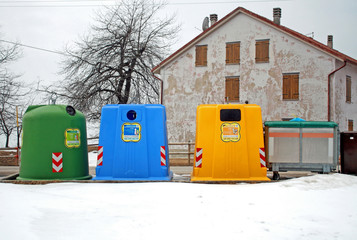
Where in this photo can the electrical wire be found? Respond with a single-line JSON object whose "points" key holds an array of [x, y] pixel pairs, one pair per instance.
{"points": [[77, 3], [36, 48]]}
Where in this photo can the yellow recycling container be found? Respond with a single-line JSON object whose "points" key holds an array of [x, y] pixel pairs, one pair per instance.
{"points": [[229, 143]]}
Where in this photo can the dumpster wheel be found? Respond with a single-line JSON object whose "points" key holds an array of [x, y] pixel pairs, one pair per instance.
{"points": [[276, 176]]}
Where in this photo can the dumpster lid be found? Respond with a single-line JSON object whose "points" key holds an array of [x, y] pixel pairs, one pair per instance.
{"points": [[297, 120], [306, 124], [32, 107]]}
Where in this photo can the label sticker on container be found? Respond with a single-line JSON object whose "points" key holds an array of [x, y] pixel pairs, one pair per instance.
{"points": [[230, 132], [72, 138], [131, 132]]}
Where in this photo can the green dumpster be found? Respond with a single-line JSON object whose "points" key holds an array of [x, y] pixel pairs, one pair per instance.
{"points": [[54, 144]]}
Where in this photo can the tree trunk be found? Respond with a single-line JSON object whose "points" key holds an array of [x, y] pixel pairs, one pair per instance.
{"points": [[7, 140], [127, 90]]}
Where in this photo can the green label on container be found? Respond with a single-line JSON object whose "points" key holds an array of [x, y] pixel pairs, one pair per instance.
{"points": [[131, 132], [72, 138]]}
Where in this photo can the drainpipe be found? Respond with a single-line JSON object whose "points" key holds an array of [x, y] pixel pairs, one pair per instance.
{"points": [[161, 87], [329, 91]]}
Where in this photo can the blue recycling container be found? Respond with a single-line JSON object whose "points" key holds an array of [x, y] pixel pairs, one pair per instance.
{"points": [[133, 143]]}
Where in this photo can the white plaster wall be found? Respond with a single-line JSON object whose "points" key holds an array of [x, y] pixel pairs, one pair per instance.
{"points": [[187, 86], [341, 110]]}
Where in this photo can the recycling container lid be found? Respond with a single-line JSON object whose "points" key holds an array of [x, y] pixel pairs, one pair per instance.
{"points": [[306, 124]]}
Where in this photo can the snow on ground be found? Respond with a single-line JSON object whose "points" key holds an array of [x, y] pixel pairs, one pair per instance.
{"points": [[314, 207]]}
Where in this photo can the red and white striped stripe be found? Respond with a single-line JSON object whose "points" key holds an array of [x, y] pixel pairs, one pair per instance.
{"points": [[163, 155], [198, 162], [100, 156], [262, 157], [57, 162]]}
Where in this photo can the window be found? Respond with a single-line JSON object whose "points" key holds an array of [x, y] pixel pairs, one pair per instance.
{"points": [[348, 89], [232, 89], [201, 55], [262, 51], [230, 115], [290, 86], [350, 125], [233, 53]]}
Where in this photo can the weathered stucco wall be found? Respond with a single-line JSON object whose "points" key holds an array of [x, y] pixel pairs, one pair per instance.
{"points": [[343, 111], [187, 86]]}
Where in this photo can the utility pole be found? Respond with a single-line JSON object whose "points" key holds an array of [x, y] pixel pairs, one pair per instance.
{"points": [[18, 135]]}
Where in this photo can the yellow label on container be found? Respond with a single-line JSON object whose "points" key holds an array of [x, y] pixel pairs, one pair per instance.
{"points": [[230, 132], [72, 138], [131, 132]]}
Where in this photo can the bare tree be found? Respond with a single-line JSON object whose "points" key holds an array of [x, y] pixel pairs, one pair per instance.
{"points": [[113, 64], [10, 91]]}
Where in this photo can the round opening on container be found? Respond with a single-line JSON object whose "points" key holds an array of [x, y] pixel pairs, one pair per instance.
{"points": [[70, 110], [131, 115]]}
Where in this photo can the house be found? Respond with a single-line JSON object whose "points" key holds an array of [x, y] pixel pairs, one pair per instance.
{"points": [[246, 58]]}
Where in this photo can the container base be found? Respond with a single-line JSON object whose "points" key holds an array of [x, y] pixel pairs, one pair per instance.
{"points": [[211, 179], [50, 179], [168, 178]]}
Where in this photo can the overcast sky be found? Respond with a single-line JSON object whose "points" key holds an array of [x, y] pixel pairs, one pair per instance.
{"points": [[53, 24]]}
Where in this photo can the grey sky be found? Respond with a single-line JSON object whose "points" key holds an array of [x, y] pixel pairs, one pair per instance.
{"points": [[54, 27]]}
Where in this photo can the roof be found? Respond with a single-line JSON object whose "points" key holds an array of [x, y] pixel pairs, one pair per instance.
{"points": [[288, 31]]}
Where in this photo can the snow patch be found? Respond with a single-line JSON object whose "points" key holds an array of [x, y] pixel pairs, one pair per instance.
{"points": [[313, 207]]}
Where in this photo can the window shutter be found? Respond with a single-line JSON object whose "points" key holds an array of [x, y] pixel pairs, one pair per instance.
{"points": [[350, 125], [204, 55], [229, 53], [291, 87], [198, 55], [348, 89], [258, 51], [286, 87], [228, 46], [232, 89], [294, 87], [262, 51], [235, 89], [228, 89], [236, 53], [201, 55], [265, 51], [233, 53]]}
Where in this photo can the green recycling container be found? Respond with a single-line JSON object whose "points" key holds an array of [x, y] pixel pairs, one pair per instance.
{"points": [[54, 144]]}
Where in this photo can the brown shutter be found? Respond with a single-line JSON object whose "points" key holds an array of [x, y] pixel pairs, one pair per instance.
{"points": [[201, 56], [229, 53], [233, 53], [291, 87], [265, 51], [294, 86], [204, 55], [348, 89], [286, 87], [229, 88], [350, 125], [236, 53], [262, 51], [198, 55], [232, 89], [258, 51], [235, 89]]}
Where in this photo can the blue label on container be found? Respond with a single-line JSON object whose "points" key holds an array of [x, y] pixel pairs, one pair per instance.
{"points": [[131, 132]]}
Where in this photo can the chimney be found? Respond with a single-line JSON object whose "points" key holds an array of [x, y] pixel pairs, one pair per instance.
{"points": [[277, 15], [330, 41], [213, 18]]}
